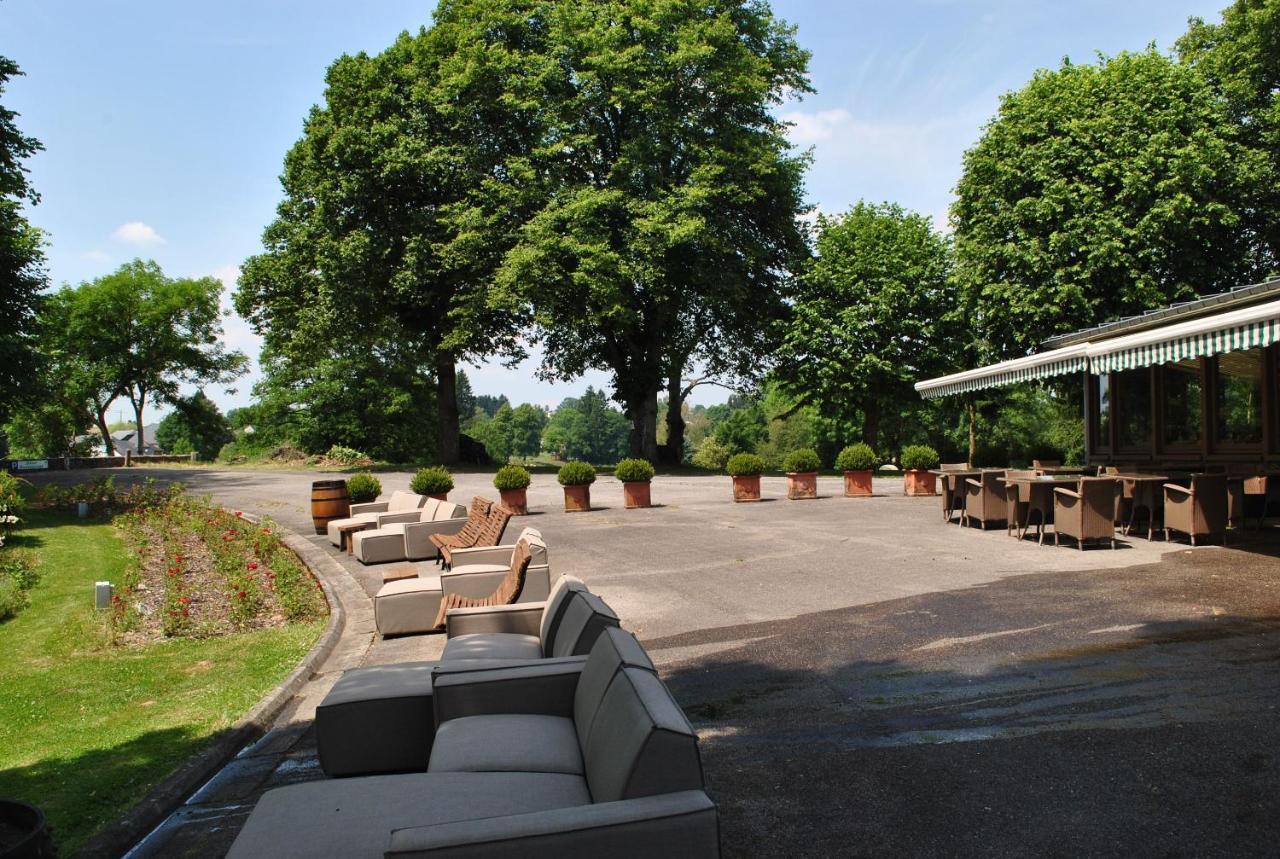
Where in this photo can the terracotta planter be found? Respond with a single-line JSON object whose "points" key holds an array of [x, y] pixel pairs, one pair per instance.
{"points": [[746, 488], [515, 500], [919, 482], [635, 493], [802, 485], [577, 499], [857, 484], [439, 496]]}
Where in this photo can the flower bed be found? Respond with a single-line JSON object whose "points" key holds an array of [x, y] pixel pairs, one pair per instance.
{"points": [[196, 570]]}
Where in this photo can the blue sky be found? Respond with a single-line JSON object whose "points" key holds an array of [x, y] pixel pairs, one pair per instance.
{"points": [[165, 123]]}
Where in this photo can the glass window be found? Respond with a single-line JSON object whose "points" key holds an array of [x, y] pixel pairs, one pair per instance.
{"points": [[1133, 408], [1102, 412], [1240, 397], [1182, 402]]}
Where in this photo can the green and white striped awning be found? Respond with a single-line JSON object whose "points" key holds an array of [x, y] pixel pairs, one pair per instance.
{"points": [[1249, 328]]}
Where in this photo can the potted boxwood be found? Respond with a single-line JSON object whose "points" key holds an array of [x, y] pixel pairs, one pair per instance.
{"points": [[363, 488], [635, 475], [435, 481], [802, 467], [745, 470], [916, 460], [512, 483], [576, 478], [858, 462]]}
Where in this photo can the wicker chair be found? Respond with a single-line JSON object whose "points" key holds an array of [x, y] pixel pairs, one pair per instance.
{"points": [[984, 499], [1087, 514], [1198, 511], [1019, 511], [488, 534], [506, 593], [1046, 463], [952, 489]]}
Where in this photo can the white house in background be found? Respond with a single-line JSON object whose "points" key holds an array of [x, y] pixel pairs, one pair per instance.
{"points": [[127, 440]]}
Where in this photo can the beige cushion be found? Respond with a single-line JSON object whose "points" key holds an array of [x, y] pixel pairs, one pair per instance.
{"points": [[508, 742], [407, 605], [335, 536], [445, 510], [492, 645], [402, 501], [379, 546], [353, 818]]}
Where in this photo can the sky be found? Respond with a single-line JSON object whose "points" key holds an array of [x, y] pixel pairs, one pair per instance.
{"points": [[165, 123]]}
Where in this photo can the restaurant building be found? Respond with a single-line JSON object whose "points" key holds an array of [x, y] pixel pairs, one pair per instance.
{"points": [[1195, 385]]}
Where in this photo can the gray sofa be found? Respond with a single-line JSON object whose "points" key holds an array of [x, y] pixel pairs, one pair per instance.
{"points": [[548, 759]]}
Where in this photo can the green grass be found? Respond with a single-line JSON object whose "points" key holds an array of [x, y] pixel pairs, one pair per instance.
{"points": [[86, 729]]}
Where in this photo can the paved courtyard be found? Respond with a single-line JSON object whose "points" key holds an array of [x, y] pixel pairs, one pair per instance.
{"points": [[866, 680]]}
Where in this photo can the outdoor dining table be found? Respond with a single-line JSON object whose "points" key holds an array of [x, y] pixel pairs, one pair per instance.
{"points": [[1145, 491], [1055, 470], [1037, 493]]}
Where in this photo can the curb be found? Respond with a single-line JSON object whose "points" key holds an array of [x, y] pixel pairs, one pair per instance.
{"points": [[189, 776]]}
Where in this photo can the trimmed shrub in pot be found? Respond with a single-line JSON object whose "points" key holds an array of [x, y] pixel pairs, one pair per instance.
{"points": [[435, 481], [802, 467], [635, 475], [512, 483], [363, 488], [576, 478], [917, 479], [858, 462], [745, 470]]}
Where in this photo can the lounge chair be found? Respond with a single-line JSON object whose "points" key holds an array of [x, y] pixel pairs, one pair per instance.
{"points": [[1198, 511], [400, 507], [1089, 514], [984, 499], [486, 531], [408, 540]]}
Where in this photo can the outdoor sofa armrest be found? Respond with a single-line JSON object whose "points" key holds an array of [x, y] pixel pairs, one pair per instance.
{"points": [[523, 618], [683, 823], [421, 530], [1069, 493], [1173, 486], [482, 555], [976, 484], [541, 687], [397, 517], [370, 507]]}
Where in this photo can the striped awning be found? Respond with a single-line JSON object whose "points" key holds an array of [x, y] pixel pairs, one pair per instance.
{"points": [[1248, 328]]}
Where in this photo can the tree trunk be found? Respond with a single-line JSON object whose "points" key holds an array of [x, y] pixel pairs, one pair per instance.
{"points": [[642, 409], [871, 423], [672, 453], [447, 445], [138, 437], [973, 432], [100, 412]]}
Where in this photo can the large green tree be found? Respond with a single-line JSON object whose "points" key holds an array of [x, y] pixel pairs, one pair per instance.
{"points": [[587, 428], [669, 193], [143, 335], [194, 426], [396, 210], [1240, 56], [873, 314], [1097, 191], [22, 275]]}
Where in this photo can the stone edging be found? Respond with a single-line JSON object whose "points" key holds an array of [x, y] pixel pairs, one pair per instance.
{"points": [[168, 795]]}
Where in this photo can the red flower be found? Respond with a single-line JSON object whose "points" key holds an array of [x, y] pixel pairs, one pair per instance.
{"points": [[177, 559], [186, 613], [238, 513], [253, 565], [239, 595], [266, 530]]}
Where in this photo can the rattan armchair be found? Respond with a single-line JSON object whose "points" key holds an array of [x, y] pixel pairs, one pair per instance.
{"points": [[952, 488], [1087, 514], [984, 499], [1019, 511], [1197, 511]]}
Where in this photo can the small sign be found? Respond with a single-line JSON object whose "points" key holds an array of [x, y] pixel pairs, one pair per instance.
{"points": [[30, 464]]}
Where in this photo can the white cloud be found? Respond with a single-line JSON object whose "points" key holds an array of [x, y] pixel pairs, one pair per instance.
{"points": [[138, 234], [807, 128]]}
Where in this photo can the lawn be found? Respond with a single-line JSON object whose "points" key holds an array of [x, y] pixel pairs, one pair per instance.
{"points": [[87, 728]]}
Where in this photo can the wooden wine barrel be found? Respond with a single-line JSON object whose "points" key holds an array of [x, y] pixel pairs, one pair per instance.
{"points": [[329, 501]]}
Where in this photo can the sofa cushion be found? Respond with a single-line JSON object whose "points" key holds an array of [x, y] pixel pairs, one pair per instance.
{"points": [[354, 817], [507, 742], [402, 501], [640, 742], [585, 615], [491, 645], [396, 698], [445, 510], [613, 649], [554, 610]]}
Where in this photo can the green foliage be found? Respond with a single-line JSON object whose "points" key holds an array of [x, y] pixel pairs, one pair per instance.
{"points": [[857, 457], [743, 429], [917, 457], [20, 567], [586, 428], [527, 423], [465, 397], [512, 477], [345, 455], [634, 470], [1098, 191], [744, 465], [363, 487], [873, 315], [22, 273], [195, 424], [494, 433], [576, 473], [801, 461], [489, 404], [711, 454], [432, 480]]}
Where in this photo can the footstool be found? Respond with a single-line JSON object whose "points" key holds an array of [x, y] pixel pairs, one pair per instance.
{"points": [[379, 545], [407, 605], [377, 720]]}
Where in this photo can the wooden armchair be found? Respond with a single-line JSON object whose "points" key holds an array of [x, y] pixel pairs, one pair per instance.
{"points": [[1198, 511], [984, 499], [1086, 514]]}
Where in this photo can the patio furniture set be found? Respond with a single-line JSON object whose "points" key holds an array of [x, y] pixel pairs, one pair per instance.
{"points": [[543, 730], [1089, 505]]}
